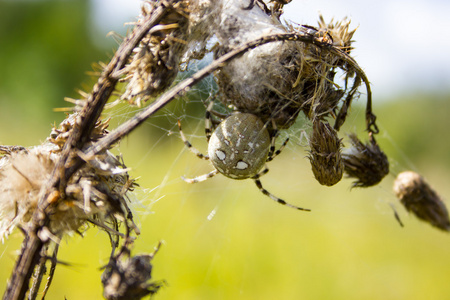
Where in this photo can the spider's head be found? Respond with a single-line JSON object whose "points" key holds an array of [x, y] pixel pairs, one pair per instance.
{"points": [[239, 146]]}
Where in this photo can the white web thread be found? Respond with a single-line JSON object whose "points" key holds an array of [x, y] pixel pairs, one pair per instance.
{"points": [[297, 133], [194, 129]]}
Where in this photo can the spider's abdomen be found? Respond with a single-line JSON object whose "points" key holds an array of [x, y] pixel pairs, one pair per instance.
{"points": [[239, 146]]}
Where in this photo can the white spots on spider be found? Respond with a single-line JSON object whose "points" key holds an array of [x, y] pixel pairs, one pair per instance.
{"points": [[241, 165], [221, 155]]}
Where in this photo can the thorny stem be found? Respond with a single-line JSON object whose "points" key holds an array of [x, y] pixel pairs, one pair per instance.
{"points": [[184, 86], [33, 244], [38, 274], [69, 162], [52, 271], [340, 119]]}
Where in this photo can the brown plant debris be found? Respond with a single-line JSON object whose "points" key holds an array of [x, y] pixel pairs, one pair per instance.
{"points": [[96, 193], [155, 62], [325, 154], [278, 80], [365, 162], [128, 277], [419, 198]]}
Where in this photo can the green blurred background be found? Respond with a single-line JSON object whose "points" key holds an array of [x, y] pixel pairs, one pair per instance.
{"points": [[223, 239]]}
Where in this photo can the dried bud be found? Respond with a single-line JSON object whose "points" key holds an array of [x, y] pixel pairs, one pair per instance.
{"points": [[129, 278], [325, 154], [367, 163], [340, 33], [420, 199], [155, 62], [60, 134]]}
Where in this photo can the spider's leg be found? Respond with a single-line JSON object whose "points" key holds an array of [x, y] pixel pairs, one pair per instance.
{"points": [[274, 134], [208, 121], [272, 154], [250, 6], [189, 145], [200, 178], [270, 195]]}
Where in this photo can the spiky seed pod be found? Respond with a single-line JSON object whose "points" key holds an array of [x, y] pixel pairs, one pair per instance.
{"points": [[325, 154], [128, 278], [367, 163], [420, 199], [96, 193], [60, 134], [155, 62], [339, 32]]}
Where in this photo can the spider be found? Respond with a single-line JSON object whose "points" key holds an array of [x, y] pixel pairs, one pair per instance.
{"points": [[238, 148]]}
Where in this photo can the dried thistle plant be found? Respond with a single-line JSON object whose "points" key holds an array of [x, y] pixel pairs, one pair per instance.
{"points": [[261, 66], [325, 154], [419, 198], [365, 162]]}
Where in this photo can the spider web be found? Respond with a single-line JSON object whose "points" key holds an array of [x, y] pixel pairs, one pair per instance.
{"points": [[228, 231], [160, 135], [206, 219]]}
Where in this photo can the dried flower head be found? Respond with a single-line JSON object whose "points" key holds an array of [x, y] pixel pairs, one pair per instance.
{"points": [[127, 277], [420, 199], [325, 154], [96, 193], [60, 134], [367, 163], [155, 62], [339, 32]]}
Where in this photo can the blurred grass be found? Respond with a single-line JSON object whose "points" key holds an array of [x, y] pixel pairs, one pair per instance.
{"points": [[223, 239]]}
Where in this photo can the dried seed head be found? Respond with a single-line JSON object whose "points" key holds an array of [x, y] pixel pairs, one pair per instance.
{"points": [[367, 163], [95, 193], [325, 154], [339, 32], [59, 135], [420, 199], [155, 62], [128, 278], [21, 177]]}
